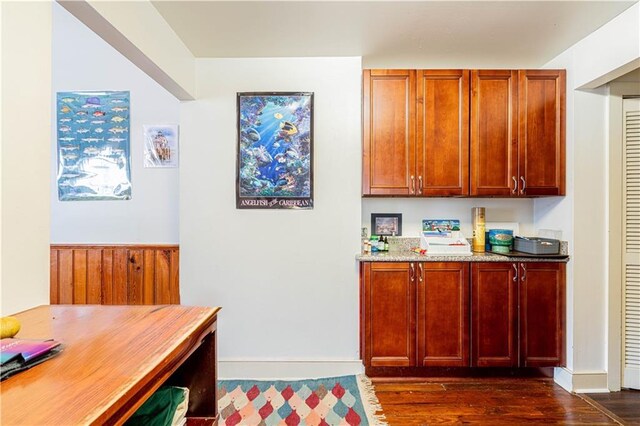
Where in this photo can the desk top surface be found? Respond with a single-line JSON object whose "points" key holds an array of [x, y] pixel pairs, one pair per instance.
{"points": [[110, 354]]}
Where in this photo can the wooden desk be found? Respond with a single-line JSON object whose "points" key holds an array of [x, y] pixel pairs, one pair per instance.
{"points": [[114, 358]]}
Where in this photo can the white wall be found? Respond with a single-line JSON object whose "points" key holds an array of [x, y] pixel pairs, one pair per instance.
{"points": [[583, 212], [609, 52], [414, 210], [287, 280], [138, 31], [83, 61], [25, 30]]}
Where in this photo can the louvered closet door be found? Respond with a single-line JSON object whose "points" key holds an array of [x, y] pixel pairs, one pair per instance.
{"points": [[631, 244]]}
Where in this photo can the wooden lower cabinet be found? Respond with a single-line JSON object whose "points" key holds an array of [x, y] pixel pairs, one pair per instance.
{"points": [[388, 314], [462, 314], [443, 314], [494, 313], [415, 314], [518, 314], [542, 314]]}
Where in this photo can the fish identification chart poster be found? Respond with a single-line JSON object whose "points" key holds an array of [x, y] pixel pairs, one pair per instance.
{"points": [[275, 151], [93, 146]]}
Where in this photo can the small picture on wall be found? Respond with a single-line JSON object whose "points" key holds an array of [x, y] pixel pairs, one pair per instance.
{"points": [[160, 146], [388, 224]]}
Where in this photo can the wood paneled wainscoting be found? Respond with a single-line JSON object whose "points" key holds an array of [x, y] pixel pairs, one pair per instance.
{"points": [[114, 274]]}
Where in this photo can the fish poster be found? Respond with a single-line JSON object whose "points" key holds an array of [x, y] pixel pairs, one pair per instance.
{"points": [[275, 151], [93, 146], [161, 146]]}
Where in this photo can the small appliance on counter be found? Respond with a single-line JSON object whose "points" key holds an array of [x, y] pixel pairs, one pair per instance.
{"points": [[442, 237], [536, 245]]}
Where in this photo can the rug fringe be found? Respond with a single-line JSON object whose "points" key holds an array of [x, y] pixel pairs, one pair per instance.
{"points": [[370, 402]]}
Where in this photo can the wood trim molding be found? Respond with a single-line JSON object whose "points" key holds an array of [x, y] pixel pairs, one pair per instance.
{"points": [[114, 274], [115, 246]]}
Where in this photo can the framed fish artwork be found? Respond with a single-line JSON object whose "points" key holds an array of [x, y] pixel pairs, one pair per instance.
{"points": [[93, 146], [275, 150]]}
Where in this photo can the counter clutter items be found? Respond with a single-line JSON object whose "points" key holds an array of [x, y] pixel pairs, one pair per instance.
{"points": [[408, 249], [443, 240], [478, 222], [500, 240], [441, 237], [375, 244], [536, 245]]}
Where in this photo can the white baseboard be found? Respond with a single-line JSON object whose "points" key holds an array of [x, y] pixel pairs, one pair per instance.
{"points": [[581, 381], [564, 378], [286, 369]]}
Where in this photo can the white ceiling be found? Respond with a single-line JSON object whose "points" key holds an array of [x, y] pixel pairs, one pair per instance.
{"points": [[398, 34], [630, 77]]}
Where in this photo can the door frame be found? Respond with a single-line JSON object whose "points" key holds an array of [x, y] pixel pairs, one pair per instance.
{"points": [[616, 93]]}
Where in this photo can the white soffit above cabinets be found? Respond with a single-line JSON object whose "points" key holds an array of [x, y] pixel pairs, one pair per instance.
{"points": [[438, 33]]}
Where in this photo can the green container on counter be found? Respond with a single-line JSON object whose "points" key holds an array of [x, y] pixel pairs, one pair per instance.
{"points": [[501, 240]]}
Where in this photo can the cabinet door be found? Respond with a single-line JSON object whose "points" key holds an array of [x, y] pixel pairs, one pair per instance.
{"points": [[389, 132], [443, 314], [494, 314], [541, 95], [443, 132], [494, 133], [388, 314], [542, 314]]}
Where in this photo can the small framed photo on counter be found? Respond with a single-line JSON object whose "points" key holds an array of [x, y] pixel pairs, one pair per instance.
{"points": [[386, 224]]}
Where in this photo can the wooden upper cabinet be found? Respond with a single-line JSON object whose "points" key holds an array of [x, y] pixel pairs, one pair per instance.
{"points": [[448, 133], [388, 314], [494, 133], [541, 95], [443, 314], [542, 314], [389, 132], [442, 132]]}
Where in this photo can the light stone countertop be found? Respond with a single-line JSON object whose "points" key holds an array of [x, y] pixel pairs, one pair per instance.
{"points": [[400, 251], [409, 256]]}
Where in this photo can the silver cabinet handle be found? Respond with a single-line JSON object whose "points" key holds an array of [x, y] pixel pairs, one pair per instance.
{"points": [[412, 273], [419, 184], [524, 185], [515, 185], [420, 268], [524, 272], [413, 185], [515, 270]]}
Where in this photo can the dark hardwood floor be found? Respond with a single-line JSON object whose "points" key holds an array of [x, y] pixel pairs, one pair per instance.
{"points": [[491, 401], [623, 406]]}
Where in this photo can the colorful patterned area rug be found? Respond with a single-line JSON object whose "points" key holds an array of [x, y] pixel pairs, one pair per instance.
{"points": [[346, 400]]}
